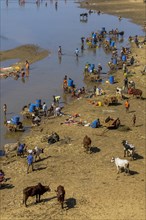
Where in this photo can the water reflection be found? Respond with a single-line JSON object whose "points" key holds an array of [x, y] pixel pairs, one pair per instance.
{"points": [[23, 79], [56, 5], [59, 59]]}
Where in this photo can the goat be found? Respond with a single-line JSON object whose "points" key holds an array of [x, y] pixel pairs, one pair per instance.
{"points": [[36, 152], [37, 191], [11, 147], [60, 195], [129, 149], [87, 143], [121, 164]]}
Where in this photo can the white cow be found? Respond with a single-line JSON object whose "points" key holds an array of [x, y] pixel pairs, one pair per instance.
{"points": [[121, 164]]}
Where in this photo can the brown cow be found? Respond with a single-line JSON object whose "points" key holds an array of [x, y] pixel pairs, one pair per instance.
{"points": [[87, 143], [37, 191], [135, 92], [60, 195]]}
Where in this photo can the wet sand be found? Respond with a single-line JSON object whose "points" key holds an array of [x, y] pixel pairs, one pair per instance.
{"points": [[93, 188]]}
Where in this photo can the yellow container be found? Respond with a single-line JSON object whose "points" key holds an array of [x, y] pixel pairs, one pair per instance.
{"points": [[17, 68], [99, 104]]}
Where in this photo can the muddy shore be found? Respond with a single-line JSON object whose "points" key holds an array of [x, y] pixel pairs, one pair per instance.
{"points": [[93, 188]]}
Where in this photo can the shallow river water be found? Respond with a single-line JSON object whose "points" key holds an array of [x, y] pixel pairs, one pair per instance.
{"points": [[49, 27]]}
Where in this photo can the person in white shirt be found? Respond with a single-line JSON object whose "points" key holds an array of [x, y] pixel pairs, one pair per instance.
{"points": [[45, 109]]}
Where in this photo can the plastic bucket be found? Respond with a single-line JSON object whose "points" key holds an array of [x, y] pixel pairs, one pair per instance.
{"points": [[38, 103], [99, 104], [112, 44], [103, 29], [111, 79], [70, 82], [124, 58], [32, 107], [92, 67], [15, 120], [114, 61]]}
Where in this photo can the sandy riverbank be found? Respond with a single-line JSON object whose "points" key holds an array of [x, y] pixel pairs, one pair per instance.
{"points": [[93, 189], [32, 53], [134, 10]]}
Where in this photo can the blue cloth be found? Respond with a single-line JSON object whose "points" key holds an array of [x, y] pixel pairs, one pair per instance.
{"points": [[95, 124], [29, 159]]}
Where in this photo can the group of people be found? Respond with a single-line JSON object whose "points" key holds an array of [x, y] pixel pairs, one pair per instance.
{"points": [[76, 51]]}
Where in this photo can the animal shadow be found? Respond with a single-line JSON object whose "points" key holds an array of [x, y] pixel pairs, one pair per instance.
{"points": [[48, 199], [94, 150], [6, 186], [42, 159], [139, 125], [115, 104], [137, 156], [132, 111], [132, 172], [143, 98], [70, 203]]}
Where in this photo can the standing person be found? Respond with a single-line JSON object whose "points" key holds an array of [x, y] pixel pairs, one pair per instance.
{"points": [[65, 83], [134, 119], [5, 109], [127, 105], [26, 65], [45, 109], [77, 52], [126, 83], [136, 40], [59, 51], [30, 161]]}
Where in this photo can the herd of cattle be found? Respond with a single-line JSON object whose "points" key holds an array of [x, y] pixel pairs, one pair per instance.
{"points": [[39, 189]]}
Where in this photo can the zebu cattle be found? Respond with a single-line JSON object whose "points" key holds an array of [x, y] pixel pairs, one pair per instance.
{"points": [[87, 143], [37, 191], [60, 195], [135, 92]]}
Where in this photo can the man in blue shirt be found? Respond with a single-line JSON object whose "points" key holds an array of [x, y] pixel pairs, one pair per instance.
{"points": [[30, 162]]}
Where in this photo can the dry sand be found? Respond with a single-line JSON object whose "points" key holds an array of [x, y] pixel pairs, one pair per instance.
{"points": [[94, 191]]}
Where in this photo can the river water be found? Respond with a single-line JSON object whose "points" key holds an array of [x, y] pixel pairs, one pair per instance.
{"points": [[49, 27]]}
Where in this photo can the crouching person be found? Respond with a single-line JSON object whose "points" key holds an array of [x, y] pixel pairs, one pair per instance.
{"points": [[95, 124], [30, 162], [21, 149]]}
